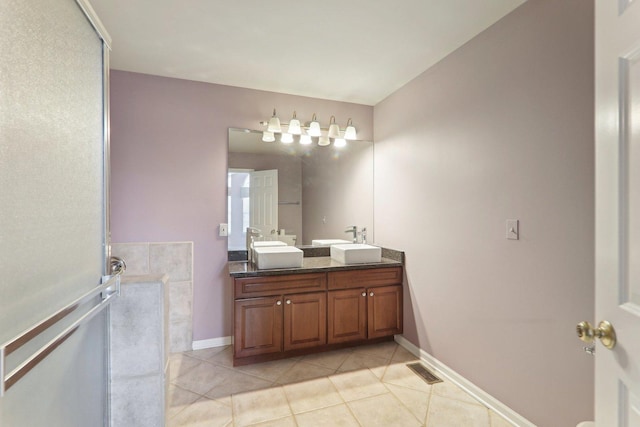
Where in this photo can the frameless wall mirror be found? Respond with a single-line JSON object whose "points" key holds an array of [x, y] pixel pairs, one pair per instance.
{"points": [[297, 193]]}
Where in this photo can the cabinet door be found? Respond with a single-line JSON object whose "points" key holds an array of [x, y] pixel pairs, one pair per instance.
{"points": [[258, 326], [384, 306], [305, 320], [347, 315]]}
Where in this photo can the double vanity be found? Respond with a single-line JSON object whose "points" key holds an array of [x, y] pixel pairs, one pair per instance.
{"points": [[338, 297]]}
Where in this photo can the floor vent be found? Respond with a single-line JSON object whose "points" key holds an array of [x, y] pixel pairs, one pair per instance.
{"points": [[424, 373]]}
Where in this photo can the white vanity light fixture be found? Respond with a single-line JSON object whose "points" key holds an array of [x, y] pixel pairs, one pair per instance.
{"points": [[339, 142], [350, 131], [294, 125], [286, 138], [323, 141], [274, 123], [334, 129], [314, 127], [268, 136], [305, 139]]}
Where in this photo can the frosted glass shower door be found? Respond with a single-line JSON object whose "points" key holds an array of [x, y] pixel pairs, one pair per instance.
{"points": [[53, 211]]}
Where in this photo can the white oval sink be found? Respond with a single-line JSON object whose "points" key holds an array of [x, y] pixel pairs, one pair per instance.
{"points": [[356, 253], [277, 257]]}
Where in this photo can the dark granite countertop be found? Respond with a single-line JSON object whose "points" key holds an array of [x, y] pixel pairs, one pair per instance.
{"points": [[316, 260], [317, 264]]}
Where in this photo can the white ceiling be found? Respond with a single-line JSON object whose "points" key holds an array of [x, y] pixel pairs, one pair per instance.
{"points": [[347, 50]]}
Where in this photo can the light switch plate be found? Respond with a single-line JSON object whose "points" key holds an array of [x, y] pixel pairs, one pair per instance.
{"points": [[224, 230], [513, 229]]}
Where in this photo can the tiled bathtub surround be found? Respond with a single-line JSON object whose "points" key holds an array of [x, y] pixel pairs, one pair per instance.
{"points": [[176, 260], [139, 365]]}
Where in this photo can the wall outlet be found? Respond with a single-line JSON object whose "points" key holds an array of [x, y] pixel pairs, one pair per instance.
{"points": [[224, 230], [513, 229]]}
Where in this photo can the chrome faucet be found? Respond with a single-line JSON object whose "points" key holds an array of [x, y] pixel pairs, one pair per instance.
{"points": [[353, 229], [252, 233]]}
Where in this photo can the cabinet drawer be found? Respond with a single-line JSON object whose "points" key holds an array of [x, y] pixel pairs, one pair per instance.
{"points": [[365, 278], [249, 287]]}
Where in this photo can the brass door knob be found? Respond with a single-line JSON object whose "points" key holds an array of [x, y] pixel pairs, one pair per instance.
{"points": [[604, 332]]}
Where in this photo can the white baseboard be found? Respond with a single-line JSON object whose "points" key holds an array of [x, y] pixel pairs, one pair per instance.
{"points": [[212, 342], [449, 374]]}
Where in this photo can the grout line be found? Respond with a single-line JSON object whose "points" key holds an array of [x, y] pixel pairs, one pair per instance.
{"points": [[426, 418]]}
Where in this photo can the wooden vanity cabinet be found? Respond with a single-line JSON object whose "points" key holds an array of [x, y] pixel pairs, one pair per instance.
{"points": [[279, 313], [258, 326], [364, 304], [307, 312]]}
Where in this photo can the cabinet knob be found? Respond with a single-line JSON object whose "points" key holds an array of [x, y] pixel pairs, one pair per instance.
{"points": [[370, 294], [288, 301], [364, 294], [278, 302]]}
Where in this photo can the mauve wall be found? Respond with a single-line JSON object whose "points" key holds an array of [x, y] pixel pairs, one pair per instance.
{"points": [[502, 128], [169, 169]]}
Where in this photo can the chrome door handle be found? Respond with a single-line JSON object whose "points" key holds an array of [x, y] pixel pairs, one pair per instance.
{"points": [[604, 332]]}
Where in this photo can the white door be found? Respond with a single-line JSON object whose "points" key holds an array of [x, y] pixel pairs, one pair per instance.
{"points": [[618, 209], [263, 201]]}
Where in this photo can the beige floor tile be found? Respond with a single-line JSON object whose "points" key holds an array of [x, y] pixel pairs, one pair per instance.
{"points": [[223, 358], [268, 370], [383, 350], [379, 371], [362, 361], [498, 421], [380, 395], [444, 412], [417, 402], [383, 411], [402, 355], [203, 413], [399, 374], [180, 364], [237, 382], [310, 395], [204, 354], [226, 400], [303, 371], [281, 422], [452, 391], [331, 359], [178, 399], [259, 406], [335, 416], [357, 385], [202, 378]]}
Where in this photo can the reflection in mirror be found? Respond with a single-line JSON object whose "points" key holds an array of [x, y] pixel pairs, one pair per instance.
{"points": [[297, 193]]}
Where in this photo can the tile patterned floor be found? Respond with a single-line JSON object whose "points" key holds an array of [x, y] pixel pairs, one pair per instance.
{"points": [[365, 386]]}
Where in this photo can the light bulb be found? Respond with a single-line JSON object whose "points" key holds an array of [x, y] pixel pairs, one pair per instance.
{"points": [[286, 138], [268, 136], [305, 139], [339, 142], [323, 141], [334, 129], [314, 127], [350, 131], [274, 123], [294, 125]]}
